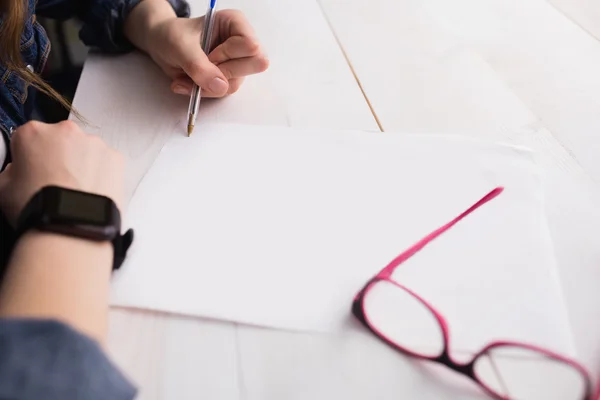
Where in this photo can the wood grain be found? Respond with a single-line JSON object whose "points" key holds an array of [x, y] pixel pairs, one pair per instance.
{"points": [[128, 103], [517, 71], [585, 13]]}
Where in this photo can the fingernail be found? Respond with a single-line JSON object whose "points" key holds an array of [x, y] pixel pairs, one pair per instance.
{"points": [[180, 90], [218, 85]]}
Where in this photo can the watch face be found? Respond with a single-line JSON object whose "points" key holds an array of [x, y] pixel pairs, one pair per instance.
{"points": [[82, 206], [77, 213]]}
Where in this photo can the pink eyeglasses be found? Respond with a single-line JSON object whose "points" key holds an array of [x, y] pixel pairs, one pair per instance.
{"points": [[497, 368]]}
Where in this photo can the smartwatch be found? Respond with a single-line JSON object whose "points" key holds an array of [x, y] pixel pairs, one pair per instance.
{"points": [[77, 214]]}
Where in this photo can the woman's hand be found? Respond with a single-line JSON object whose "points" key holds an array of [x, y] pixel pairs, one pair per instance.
{"points": [[52, 276], [62, 155], [174, 44]]}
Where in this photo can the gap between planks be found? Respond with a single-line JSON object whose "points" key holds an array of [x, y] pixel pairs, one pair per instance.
{"points": [[358, 82], [573, 20]]}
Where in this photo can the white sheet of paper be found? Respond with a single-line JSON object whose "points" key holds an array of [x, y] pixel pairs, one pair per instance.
{"points": [[281, 228]]}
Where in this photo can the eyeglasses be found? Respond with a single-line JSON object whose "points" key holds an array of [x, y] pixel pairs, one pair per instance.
{"points": [[498, 368]]}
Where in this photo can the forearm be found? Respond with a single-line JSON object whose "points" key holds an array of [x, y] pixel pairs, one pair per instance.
{"points": [[59, 277], [143, 18]]}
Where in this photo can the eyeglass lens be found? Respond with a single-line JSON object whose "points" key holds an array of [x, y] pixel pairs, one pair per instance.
{"points": [[509, 371]]}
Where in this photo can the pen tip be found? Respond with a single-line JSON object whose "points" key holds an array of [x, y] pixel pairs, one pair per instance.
{"points": [[190, 130]]}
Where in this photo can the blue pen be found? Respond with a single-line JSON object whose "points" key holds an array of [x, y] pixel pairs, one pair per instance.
{"points": [[209, 19]]}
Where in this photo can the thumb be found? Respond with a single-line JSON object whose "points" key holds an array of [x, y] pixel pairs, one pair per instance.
{"points": [[207, 75]]}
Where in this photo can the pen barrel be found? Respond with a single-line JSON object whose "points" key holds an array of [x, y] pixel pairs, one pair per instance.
{"points": [[194, 101], [205, 42], [207, 31]]}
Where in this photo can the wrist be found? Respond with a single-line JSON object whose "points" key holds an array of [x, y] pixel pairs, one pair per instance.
{"points": [[80, 215], [47, 246], [58, 277], [143, 21], [55, 252]]}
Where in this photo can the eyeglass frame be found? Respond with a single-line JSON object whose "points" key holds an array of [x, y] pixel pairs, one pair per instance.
{"points": [[467, 369]]}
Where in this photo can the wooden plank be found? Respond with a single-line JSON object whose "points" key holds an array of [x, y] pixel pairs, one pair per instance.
{"points": [[354, 366], [515, 71], [548, 61], [308, 84], [585, 13], [127, 100], [417, 77]]}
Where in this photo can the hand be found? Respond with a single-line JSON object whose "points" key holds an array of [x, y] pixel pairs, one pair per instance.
{"points": [[174, 44], [62, 155]]}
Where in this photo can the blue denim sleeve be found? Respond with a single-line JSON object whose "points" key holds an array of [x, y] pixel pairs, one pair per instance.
{"points": [[47, 360], [103, 20]]}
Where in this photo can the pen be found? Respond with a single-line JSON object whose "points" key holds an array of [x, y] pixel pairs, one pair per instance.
{"points": [[209, 19]]}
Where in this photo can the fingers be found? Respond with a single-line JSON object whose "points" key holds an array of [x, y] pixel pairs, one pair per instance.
{"points": [[22, 135], [235, 47], [238, 56], [183, 86], [234, 71], [241, 67], [206, 75], [234, 84], [32, 128], [234, 23]]}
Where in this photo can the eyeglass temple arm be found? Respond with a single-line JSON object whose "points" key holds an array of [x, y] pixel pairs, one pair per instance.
{"points": [[389, 269]]}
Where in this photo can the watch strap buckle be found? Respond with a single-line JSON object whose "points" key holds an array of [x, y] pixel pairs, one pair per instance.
{"points": [[121, 244]]}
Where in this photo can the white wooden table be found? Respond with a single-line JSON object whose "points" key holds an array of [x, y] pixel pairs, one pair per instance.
{"points": [[523, 71]]}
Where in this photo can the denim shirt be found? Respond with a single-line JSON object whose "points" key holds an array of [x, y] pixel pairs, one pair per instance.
{"points": [[42, 359], [103, 22]]}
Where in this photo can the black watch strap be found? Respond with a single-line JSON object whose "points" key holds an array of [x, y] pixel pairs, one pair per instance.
{"points": [[121, 244], [39, 214]]}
